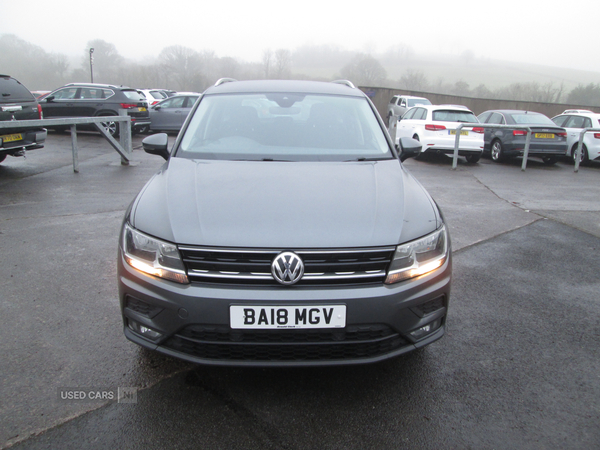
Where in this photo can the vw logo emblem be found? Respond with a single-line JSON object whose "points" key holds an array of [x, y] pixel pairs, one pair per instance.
{"points": [[287, 268]]}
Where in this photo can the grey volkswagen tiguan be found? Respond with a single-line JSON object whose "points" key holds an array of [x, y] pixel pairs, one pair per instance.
{"points": [[283, 230]]}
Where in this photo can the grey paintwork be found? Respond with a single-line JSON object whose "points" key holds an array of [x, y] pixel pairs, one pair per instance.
{"points": [[166, 116], [283, 204]]}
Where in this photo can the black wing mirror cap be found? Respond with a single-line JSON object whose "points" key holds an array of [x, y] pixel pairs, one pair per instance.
{"points": [[409, 148], [157, 144]]}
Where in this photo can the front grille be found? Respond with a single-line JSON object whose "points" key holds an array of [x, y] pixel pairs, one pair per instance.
{"points": [[253, 267], [222, 343]]}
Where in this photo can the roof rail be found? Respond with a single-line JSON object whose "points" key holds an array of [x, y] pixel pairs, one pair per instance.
{"points": [[345, 82], [220, 81]]}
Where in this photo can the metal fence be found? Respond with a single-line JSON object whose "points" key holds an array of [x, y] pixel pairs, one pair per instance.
{"points": [[394, 124], [123, 146]]}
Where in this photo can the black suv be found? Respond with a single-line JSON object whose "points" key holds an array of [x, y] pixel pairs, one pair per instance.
{"points": [[93, 100], [17, 103]]}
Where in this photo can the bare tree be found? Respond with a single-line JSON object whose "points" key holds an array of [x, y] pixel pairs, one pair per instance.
{"points": [[585, 95], [364, 70], [267, 57], [414, 80], [282, 64], [461, 88], [184, 67]]}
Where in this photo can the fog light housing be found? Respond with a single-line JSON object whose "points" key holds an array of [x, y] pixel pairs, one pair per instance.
{"points": [[426, 330], [143, 330]]}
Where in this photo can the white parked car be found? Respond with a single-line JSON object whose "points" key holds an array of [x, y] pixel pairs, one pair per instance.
{"points": [[399, 104], [153, 96], [435, 126], [573, 121]]}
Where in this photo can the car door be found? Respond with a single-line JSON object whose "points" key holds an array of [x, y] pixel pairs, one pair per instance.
{"points": [[60, 103], [405, 124], [573, 126], [494, 118], [169, 114]]}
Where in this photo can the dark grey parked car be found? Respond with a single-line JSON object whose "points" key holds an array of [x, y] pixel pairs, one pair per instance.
{"points": [[548, 141], [96, 100], [283, 230], [170, 113], [18, 103]]}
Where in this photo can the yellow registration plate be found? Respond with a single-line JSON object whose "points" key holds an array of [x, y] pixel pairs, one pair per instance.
{"points": [[462, 132], [11, 137], [141, 108], [544, 135]]}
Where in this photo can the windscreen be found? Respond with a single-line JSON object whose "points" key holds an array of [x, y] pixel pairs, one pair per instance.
{"points": [[284, 127], [418, 101]]}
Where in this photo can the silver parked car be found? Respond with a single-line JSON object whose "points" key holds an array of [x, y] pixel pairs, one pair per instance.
{"points": [[170, 113], [283, 230], [399, 104]]}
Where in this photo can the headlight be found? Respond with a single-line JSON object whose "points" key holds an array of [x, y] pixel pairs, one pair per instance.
{"points": [[153, 256], [419, 257]]}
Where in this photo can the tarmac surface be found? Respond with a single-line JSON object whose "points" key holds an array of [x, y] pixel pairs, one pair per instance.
{"points": [[518, 368]]}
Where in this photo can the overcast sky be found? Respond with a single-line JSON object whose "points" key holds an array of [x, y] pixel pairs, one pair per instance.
{"points": [[514, 30]]}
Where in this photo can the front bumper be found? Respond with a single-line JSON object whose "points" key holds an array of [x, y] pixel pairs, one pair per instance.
{"points": [[193, 320]]}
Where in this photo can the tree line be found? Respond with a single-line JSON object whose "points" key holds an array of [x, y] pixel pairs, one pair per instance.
{"points": [[184, 69]]}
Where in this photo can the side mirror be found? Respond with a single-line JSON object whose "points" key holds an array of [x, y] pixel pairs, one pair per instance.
{"points": [[156, 107], [408, 148], [157, 144], [48, 99]]}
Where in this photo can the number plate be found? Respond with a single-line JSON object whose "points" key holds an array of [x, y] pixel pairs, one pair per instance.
{"points": [[141, 109], [544, 135], [462, 132], [11, 137], [281, 317]]}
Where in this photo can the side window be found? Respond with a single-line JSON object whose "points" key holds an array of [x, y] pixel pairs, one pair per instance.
{"points": [[90, 93], [484, 116], [409, 114], [106, 93], [393, 100], [420, 114], [574, 122], [65, 94], [189, 101], [177, 102], [587, 122], [560, 120], [496, 118], [403, 102]]}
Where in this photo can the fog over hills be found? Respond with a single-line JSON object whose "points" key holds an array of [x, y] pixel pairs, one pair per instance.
{"points": [[184, 69]]}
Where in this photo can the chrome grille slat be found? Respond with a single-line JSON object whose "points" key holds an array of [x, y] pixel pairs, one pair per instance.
{"points": [[253, 266]]}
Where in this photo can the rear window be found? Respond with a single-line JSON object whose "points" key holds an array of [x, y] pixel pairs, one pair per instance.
{"points": [[448, 115], [12, 91], [134, 95], [531, 118]]}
